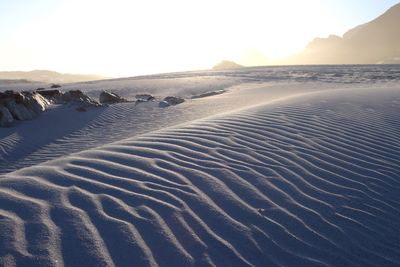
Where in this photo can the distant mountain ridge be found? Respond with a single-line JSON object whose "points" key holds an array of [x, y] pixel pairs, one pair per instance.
{"points": [[377, 41], [47, 76]]}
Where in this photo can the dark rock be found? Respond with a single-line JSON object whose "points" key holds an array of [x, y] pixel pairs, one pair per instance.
{"points": [[51, 95], [144, 98], [111, 98], [81, 109], [55, 86], [78, 97], [19, 98], [171, 101], [76, 93], [9, 95], [210, 93]]}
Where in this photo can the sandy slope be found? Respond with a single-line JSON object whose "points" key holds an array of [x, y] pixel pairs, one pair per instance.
{"points": [[63, 130], [307, 181]]}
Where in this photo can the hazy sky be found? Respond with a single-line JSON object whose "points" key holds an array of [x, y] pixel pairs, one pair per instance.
{"points": [[129, 37]]}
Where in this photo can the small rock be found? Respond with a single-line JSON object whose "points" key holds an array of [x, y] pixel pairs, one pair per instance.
{"points": [[111, 98], [210, 93], [171, 101], [144, 98], [55, 86], [261, 211], [81, 109]]}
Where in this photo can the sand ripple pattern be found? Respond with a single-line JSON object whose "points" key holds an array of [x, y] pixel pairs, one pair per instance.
{"points": [[315, 182]]}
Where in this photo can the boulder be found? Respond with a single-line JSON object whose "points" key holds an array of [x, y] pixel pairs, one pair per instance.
{"points": [[81, 109], [78, 97], [35, 102], [171, 101], [21, 106], [51, 95], [111, 98]]}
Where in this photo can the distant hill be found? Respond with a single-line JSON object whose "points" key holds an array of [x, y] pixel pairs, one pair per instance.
{"points": [[377, 41], [47, 76], [225, 65]]}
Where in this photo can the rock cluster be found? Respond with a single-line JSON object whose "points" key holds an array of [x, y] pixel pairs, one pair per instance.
{"points": [[72, 97], [20, 106]]}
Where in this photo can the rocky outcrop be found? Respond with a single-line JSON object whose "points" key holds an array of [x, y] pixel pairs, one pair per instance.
{"points": [[20, 106], [171, 101], [72, 97], [111, 98]]}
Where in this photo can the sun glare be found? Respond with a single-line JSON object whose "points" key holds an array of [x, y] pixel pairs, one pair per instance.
{"points": [[124, 37]]}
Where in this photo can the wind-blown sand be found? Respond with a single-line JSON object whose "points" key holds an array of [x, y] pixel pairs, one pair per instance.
{"points": [[311, 180]]}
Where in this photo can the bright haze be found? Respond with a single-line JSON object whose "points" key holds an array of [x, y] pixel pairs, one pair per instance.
{"points": [[124, 38]]}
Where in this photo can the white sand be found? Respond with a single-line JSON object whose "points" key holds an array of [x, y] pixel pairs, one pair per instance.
{"points": [[299, 174]]}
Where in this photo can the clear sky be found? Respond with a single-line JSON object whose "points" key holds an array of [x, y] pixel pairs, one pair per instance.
{"points": [[132, 37]]}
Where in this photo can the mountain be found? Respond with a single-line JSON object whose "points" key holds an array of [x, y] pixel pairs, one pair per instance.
{"points": [[377, 41], [47, 76], [226, 65]]}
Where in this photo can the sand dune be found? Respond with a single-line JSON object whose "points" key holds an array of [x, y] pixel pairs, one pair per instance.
{"points": [[308, 181], [62, 131]]}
